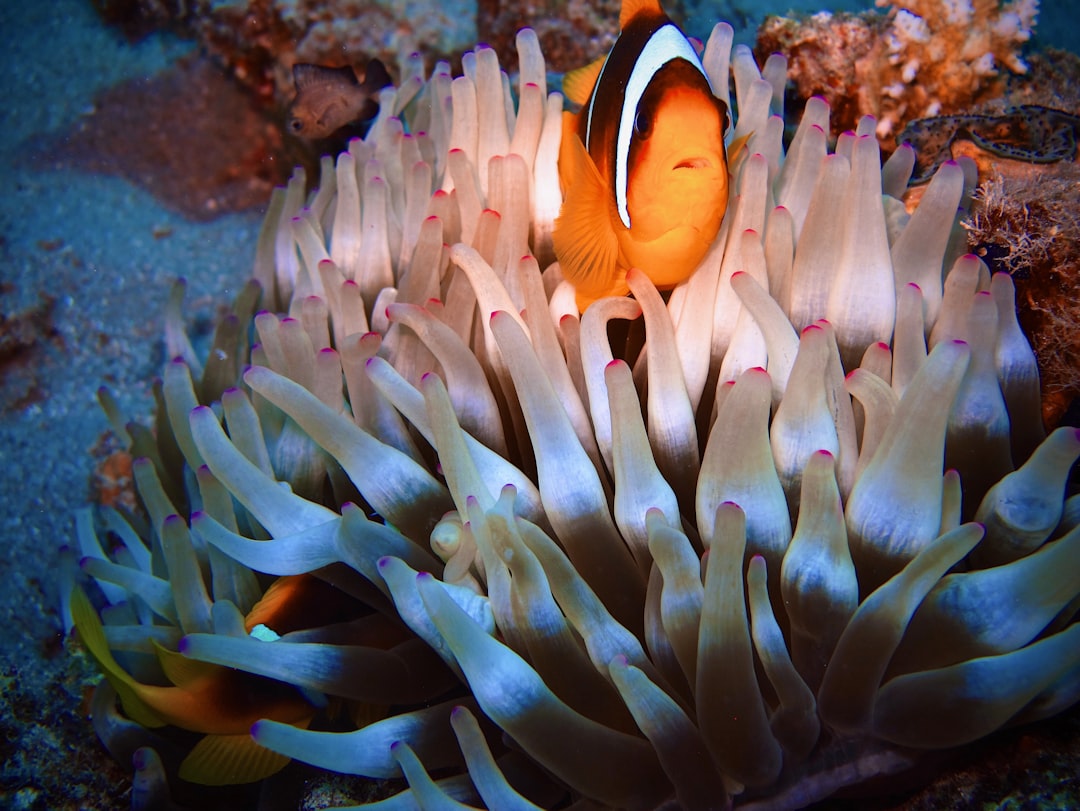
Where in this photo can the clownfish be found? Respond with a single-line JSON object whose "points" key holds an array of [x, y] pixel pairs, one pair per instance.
{"points": [[643, 165], [220, 702]]}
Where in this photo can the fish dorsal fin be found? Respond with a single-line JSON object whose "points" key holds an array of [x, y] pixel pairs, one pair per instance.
{"points": [[583, 238], [219, 760], [93, 637], [182, 671], [307, 75], [578, 84], [631, 8]]}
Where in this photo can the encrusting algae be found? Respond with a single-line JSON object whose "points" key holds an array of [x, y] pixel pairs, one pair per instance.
{"points": [[800, 524]]}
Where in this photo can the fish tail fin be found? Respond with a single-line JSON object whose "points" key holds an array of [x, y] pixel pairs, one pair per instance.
{"points": [[376, 76], [220, 760], [92, 635]]}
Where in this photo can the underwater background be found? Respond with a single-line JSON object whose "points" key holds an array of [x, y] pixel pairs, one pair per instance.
{"points": [[129, 160]]}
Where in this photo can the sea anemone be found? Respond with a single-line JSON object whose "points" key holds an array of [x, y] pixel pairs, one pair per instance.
{"points": [[663, 552]]}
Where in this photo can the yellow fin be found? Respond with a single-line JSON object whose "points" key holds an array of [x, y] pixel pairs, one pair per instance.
{"points": [[93, 637], [224, 760], [583, 238], [631, 8], [736, 146], [578, 84], [182, 671]]}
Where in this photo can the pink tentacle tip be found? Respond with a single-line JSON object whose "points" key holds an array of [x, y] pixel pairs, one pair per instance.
{"points": [[141, 759], [173, 519], [811, 328], [197, 515], [256, 728], [184, 645]]}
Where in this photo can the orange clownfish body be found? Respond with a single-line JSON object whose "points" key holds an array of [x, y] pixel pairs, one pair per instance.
{"points": [[643, 165]]}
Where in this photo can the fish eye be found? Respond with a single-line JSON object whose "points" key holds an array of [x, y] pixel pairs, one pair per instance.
{"points": [[643, 123], [296, 125]]}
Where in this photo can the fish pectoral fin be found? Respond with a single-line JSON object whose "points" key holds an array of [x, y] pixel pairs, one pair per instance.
{"points": [[578, 84], [224, 760], [93, 637], [584, 241]]}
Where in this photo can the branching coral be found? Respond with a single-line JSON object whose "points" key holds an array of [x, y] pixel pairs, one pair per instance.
{"points": [[713, 569], [1027, 224], [926, 58]]}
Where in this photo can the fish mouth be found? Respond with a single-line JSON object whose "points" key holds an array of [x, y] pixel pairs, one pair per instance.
{"points": [[694, 163]]}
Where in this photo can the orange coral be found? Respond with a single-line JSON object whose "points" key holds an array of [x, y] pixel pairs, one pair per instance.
{"points": [[922, 58]]}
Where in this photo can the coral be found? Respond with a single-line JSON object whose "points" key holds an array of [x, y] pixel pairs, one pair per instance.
{"points": [[22, 334], [924, 58], [571, 32], [1028, 135], [743, 554], [1028, 226], [190, 116]]}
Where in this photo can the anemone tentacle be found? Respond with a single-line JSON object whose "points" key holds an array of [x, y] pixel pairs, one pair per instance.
{"points": [[702, 549]]}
